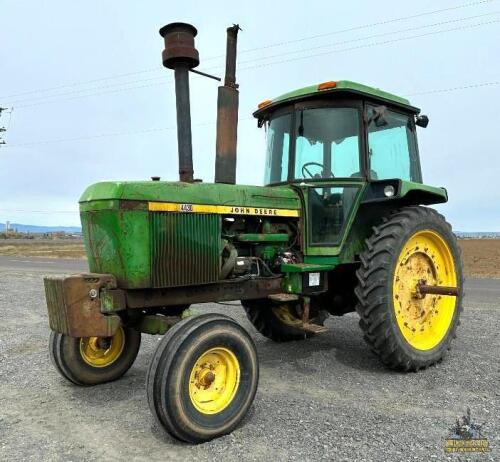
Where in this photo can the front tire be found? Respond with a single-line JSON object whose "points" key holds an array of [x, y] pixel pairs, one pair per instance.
{"points": [[93, 360], [203, 378], [415, 245]]}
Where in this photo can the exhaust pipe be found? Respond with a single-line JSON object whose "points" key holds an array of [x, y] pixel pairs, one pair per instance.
{"points": [[227, 115], [181, 55]]}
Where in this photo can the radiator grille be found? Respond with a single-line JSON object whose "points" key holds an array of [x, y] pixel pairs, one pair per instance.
{"points": [[185, 248]]}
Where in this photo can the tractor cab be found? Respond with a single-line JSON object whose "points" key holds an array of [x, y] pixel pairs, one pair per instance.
{"points": [[331, 141]]}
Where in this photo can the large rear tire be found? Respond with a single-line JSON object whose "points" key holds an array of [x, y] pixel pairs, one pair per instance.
{"points": [[408, 331], [280, 322], [93, 360], [202, 378]]}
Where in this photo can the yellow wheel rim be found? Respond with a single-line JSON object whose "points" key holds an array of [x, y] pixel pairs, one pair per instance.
{"points": [[214, 380], [102, 351], [425, 259]]}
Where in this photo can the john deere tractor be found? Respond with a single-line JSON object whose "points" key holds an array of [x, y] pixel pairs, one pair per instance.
{"points": [[341, 225]]}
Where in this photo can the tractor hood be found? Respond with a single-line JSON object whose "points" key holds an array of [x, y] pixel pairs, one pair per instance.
{"points": [[106, 194]]}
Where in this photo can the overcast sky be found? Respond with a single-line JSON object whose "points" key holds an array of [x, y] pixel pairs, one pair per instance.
{"points": [[84, 48]]}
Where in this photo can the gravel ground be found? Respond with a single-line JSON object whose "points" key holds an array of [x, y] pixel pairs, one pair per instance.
{"points": [[326, 398]]}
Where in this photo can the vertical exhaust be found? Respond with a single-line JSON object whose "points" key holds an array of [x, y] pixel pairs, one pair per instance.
{"points": [[227, 115], [181, 55]]}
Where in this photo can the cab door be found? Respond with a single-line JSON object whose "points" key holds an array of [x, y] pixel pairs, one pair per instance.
{"points": [[329, 212]]}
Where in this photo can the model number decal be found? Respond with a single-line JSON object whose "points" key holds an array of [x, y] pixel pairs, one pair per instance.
{"points": [[220, 209]]}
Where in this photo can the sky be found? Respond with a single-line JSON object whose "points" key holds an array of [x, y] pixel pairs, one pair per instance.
{"points": [[93, 103]]}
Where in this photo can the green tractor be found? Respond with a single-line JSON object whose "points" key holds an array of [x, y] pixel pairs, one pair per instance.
{"points": [[341, 225]]}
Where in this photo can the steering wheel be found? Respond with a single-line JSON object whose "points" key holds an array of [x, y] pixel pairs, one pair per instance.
{"points": [[305, 170]]}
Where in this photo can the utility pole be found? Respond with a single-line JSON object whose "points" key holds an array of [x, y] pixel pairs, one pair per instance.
{"points": [[2, 129]]}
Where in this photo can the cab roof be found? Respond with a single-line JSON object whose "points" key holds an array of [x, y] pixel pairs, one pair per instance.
{"points": [[332, 87]]}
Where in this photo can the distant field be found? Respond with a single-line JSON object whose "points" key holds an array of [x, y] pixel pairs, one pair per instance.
{"points": [[59, 248], [481, 256]]}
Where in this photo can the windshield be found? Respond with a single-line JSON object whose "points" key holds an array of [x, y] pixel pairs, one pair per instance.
{"points": [[326, 145]]}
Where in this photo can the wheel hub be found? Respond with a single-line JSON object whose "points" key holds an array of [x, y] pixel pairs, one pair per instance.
{"points": [[214, 380], [102, 351]]}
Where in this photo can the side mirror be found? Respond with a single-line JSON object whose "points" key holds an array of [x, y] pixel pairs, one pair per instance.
{"points": [[422, 121], [377, 115]]}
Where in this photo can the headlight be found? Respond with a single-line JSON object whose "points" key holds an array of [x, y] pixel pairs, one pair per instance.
{"points": [[389, 191]]}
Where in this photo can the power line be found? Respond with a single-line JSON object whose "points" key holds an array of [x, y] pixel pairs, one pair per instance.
{"points": [[365, 26], [369, 45], [50, 101], [383, 34], [82, 90], [448, 90], [84, 82], [273, 45], [151, 130], [113, 134]]}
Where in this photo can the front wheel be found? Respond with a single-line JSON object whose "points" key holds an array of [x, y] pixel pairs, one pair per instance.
{"points": [[94, 360], [409, 328], [202, 378]]}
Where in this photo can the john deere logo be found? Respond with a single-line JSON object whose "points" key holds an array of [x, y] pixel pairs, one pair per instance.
{"points": [[466, 436]]}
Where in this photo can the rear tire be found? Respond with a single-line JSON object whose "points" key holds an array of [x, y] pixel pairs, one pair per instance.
{"points": [[409, 332], [82, 362], [203, 378], [280, 322]]}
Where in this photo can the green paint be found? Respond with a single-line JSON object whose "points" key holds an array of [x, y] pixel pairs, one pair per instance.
{"points": [[153, 325], [117, 242], [342, 85], [189, 193], [321, 260], [305, 267], [292, 283], [423, 194], [254, 237]]}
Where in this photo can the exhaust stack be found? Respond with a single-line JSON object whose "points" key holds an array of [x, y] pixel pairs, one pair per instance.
{"points": [[227, 115], [181, 55]]}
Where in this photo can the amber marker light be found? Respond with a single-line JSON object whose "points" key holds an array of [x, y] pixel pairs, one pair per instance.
{"points": [[264, 103], [327, 85]]}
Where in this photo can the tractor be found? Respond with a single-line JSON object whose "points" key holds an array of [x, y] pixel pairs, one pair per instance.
{"points": [[341, 225]]}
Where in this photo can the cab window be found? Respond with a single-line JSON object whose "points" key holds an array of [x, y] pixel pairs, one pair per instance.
{"points": [[278, 147], [392, 146]]}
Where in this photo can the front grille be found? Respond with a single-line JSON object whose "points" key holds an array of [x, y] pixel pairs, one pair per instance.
{"points": [[185, 248]]}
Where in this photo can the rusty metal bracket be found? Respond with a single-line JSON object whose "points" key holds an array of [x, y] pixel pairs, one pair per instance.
{"points": [[74, 305], [112, 300], [306, 324]]}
